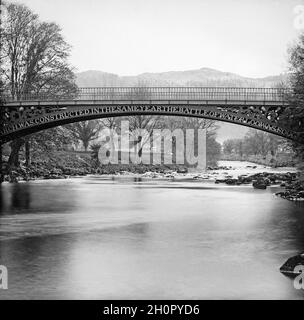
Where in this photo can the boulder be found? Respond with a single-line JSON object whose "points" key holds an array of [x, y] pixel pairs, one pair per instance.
{"points": [[259, 184], [217, 181], [182, 170], [232, 182]]}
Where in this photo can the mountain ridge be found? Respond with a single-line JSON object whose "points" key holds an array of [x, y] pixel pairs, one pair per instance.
{"points": [[194, 77]]}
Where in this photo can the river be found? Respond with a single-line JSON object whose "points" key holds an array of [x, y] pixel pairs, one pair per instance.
{"points": [[101, 237]]}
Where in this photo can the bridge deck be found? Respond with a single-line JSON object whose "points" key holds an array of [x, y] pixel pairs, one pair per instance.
{"points": [[200, 95]]}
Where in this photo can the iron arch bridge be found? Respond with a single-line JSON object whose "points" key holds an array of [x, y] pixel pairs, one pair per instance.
{"points": [[261, 108]]}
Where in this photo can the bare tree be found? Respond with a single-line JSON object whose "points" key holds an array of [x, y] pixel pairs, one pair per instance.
{"points": [[112, 124], [141, 132], [35, 55], [229, 146], [139, 123], [85, 131]]}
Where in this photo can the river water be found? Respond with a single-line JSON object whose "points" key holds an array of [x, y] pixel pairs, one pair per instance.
{"points": [[122, 238]]}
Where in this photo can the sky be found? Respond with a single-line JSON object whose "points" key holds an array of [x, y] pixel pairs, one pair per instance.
{"points": [[128, 37]]}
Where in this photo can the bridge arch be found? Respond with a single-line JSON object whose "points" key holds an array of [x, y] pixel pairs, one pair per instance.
{"points": [[42, 123]]}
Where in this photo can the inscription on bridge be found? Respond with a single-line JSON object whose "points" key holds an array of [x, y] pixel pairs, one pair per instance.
{"points": [[38, 116]]}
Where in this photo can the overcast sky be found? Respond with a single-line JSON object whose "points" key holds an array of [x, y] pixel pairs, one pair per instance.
{"points": [[127, 37]]}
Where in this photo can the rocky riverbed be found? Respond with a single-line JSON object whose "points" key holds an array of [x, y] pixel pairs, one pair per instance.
{"points": [[290, 181], [294, 191], [231, 173]]}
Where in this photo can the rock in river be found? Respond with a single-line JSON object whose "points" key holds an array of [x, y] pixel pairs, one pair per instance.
{"points": [[259, 184]]}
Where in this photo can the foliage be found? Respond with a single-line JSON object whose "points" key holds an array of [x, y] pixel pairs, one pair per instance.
{"points": [[57, 138], [296, 61], [255, 142], [95, 147], [213, 151]]}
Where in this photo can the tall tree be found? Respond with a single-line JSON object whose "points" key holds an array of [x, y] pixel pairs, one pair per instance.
{"points": [[229, 146], [296, 99], [255, 142], [112, 124], [34, 60], [140, 123], [85, 131], [141, 133]]}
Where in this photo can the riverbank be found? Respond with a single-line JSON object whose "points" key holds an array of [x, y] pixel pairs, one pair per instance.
{"points": [[63, 165]]}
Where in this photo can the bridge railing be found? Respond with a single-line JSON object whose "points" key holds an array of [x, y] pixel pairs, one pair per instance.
{"points": [[160, 93]]}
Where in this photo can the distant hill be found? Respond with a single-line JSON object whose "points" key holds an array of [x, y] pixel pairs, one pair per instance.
{"points": [[94, 78], [199, 77]]}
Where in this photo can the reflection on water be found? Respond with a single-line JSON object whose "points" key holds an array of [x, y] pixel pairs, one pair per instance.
{"points": [[101, 238]]}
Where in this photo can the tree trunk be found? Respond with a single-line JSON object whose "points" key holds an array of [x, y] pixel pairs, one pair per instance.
{"points": [[27, 153], [1, 171], [85, 144], [112, 147], [13, 160], [140, 152]]}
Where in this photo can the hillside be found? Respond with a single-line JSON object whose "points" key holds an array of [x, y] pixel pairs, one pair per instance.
{"points": [[199, 77]]}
